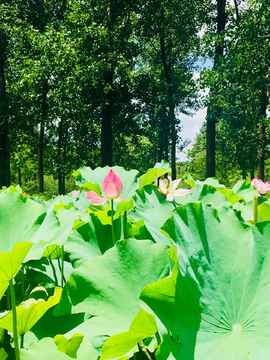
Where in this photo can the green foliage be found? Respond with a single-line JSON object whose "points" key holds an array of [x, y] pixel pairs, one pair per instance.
{"points": [[186, 279]]}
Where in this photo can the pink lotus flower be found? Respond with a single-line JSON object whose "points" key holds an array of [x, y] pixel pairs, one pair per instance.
{"points": [[112, 187], [75, 193], [260, 185], [171, 190]]}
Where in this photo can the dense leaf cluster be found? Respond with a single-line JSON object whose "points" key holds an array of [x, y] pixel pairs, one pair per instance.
{"points": [[186, 280]]}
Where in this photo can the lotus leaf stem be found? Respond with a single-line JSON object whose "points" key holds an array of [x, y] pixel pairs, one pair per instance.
{"points": [[144, 349], [62, 267], [158, 338], [22, 340], [54, 272], [125, 225], [255, 210], [22, 280], [113, 235], [14, 316]]}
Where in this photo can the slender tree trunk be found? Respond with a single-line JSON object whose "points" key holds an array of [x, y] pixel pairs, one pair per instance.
{"points": [[4, 140], [210, 170], [40, 157], [59, 157], [41, 137], [106, 124], [167, 67], [261, 148], [19, 176]]}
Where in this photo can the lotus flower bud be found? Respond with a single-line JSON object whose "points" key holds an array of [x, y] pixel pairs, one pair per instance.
{"points": [[112, 185]]}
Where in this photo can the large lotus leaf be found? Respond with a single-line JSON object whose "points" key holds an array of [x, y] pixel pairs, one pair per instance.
{"points": [[205, 193], [24, 220], [50, 325], [147, 197], [143, 326], [152, 174], [247, 209], [69, 346], [264, 211], [66, 220], [3, 354], [46, 349], [108, 287], [89, 240], [129, 178], [28, 313], [95, 238], [230, 195], [10, 263], [154, 218], [219, 294], [245, 189]]}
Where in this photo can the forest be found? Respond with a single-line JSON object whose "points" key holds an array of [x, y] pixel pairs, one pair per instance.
{"points": [[110, 246], [105, 82]]}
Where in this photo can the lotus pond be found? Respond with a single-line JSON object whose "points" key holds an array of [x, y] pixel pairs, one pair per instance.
{"points": [[135, 269]]}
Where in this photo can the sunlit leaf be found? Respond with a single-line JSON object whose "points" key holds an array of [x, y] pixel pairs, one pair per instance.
{"points": [[158, 170], [69, 346], [28, 313], [143, 326], [219, 291]]}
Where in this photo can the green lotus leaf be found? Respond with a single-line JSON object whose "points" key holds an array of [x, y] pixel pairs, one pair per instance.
{"points": [[108, 287], [205, 193], [24, 220], [129, 178], [189, 180], [219, 291], [247, 208], [53, 251], [214, 182], [264, 211], [66, 219], [28, 313], [10, 263], [153, 219], [142, 326], [94, 238], [3, 354], [245, 189], [158, 170], [46, 349], [147, 197], [125, 206], [68, 346]]}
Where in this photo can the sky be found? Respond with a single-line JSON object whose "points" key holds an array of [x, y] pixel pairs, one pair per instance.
{"points": [[191, 124], [190, 127]]}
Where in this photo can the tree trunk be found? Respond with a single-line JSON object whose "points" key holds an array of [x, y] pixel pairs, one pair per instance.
{"points": [[59, 157], [40, 157], [106, 124], [167, 67], [19, 176], [41, 137], [210, 169], [4, 140], [261, 148]]}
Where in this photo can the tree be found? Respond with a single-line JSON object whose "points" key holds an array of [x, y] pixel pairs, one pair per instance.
{"points": [[4, 142], [240, 86], [214, 112], [168, 35]]}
